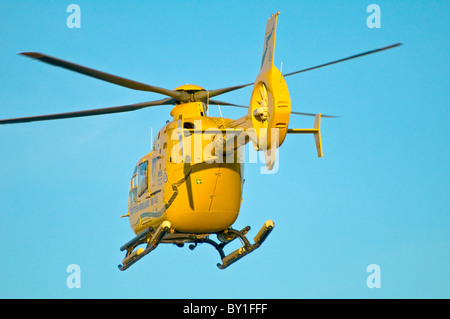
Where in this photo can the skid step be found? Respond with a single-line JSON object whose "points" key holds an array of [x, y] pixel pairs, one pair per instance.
{"points": [[247, 248], [230, 235], [152, 240]]}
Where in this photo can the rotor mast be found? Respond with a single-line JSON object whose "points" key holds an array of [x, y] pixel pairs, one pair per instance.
{"points": [[194, 107]]}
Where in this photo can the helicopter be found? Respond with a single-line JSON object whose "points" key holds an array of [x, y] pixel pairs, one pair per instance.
{"points": [[189, 187]]}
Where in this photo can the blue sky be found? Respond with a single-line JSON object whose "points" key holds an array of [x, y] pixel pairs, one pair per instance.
{"points": [[378, 196]]}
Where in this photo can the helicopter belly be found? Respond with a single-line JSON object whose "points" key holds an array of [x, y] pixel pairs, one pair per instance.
{"points": [[209, 200]]}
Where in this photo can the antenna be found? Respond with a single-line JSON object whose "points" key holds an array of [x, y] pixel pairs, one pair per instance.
{"points": [[220, 111], [207, 103], [151, 137]]}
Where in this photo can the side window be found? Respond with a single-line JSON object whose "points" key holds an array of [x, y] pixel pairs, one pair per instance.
{"points": [[142, 175], [156, 143], [133, 187]]}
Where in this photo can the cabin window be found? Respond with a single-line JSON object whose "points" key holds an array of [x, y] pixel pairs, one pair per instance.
{"points": [[156, 142], [154, 162], [142, 175]]}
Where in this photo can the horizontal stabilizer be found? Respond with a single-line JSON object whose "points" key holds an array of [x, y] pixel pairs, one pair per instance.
{"points": [[315, 131]]}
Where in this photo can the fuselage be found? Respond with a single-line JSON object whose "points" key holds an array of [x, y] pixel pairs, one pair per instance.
{"points": [[184, 181]]}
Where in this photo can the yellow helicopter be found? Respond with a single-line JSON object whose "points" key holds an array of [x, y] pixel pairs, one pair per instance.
{"points": [[189, 187]]}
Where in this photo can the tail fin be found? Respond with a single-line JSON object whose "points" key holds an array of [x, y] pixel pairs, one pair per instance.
{"points": [[269, 42]]}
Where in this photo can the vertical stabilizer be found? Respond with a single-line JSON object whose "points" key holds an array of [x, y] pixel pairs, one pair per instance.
{"points": [[269, 42]]}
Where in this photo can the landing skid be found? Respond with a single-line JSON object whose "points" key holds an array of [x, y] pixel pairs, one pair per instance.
{"points": [[152, 240], [163, 235], [229, 235]]}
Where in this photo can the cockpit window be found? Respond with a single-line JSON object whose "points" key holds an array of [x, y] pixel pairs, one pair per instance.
{"points": [[134, 182], [133, 188], [142, 175]]}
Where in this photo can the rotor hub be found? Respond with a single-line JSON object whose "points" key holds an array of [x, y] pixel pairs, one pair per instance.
{"points": [[189, 88]]}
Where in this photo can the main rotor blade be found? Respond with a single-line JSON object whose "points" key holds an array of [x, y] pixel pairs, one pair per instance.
{"points": [[344, 59], [108, 110], [215, 102], [312, 114], [181, 96], [211, 93], [203, 95]]}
